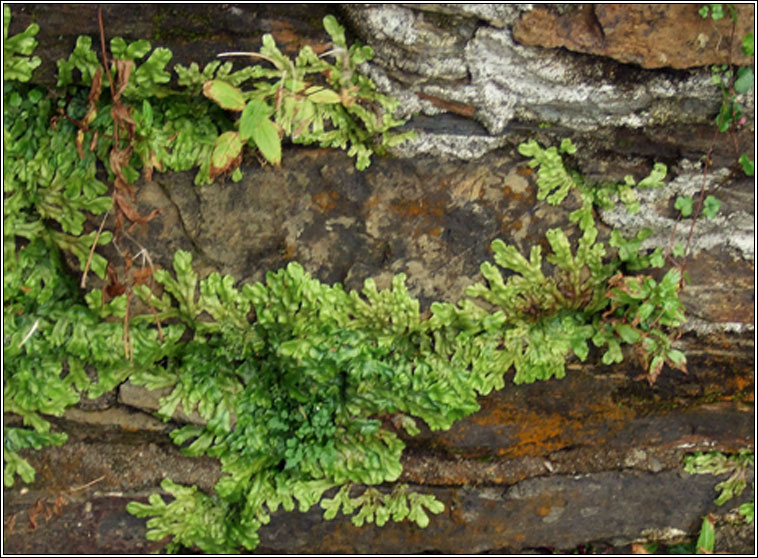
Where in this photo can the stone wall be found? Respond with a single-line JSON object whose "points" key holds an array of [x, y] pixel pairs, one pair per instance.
{"points": [[593, 458]]}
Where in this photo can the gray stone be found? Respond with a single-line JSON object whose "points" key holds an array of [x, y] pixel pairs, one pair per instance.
{"points": [[505, 82]]}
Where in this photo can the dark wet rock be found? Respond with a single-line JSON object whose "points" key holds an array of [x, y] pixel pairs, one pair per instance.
{"points": [[617, 507]]}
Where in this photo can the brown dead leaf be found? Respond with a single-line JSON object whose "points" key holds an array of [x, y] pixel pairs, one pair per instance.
{"points": [[33, 512], [48, 512], [93, 97], [132, 214], [10, 523], [79, 142], [121, 117], [142, 275], [96, 87], [60, 501], [118, 159], [654, 372], [114, 287], [93, 142], [124, 71], [638, 548], [347, 95], [127, 262], [152, 162]]}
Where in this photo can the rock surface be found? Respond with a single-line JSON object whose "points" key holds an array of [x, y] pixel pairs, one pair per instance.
{"points": [[539, 466], [640, 34], [447, 59]]}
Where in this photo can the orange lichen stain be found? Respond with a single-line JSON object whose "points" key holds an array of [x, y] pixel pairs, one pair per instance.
{"points": [[419, 208], [743, 382], [530, 433], [542, 434], [290, 40], [508, 193], [436, 231], [524, 171], [543, 510], [326, 200], [290, 251], [371, 203]]}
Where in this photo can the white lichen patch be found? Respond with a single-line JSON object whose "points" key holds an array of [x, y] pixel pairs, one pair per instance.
{"points": [[734, 231]]}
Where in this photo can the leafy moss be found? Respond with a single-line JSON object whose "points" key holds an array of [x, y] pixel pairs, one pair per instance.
{"points": [[18, 65], [717, 463]]}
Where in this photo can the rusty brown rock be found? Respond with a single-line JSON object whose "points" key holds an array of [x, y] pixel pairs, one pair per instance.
{"points": [[649, 35]]}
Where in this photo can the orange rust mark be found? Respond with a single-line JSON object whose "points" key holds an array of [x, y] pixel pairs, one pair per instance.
{"points": [[743, 382], [535, 433], [290, 251], [436, 231], [458, 108], [419, 208], [326, 200], [507, 192], [371, 203], [543, 510], [290, 40]]}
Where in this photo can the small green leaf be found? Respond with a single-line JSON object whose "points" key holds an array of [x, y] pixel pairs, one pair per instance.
{"points": [[613, 354], [678, 250], [748, 166], [744, 81], [266, 138], [323, 96], [747, 510], [567, 146], [711, 206], [226, 95], [676, 356], [628, 333], [655, 178], [254, 114], [335, 30], [228, 147], [707, 537], [656, 258], [748, 44], [717, 11], [147, 114], [684, 205]]}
